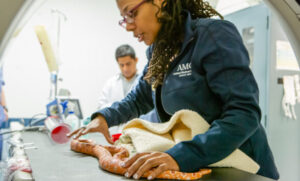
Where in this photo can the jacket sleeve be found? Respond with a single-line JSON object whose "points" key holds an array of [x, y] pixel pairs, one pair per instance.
{"points": [[137, 102], [225, 63]]}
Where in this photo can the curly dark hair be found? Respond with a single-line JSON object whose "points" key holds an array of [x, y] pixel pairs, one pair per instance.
{"points": [[170, 37]]}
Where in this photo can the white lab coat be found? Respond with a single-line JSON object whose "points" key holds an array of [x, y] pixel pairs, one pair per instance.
{"points": [[113, 91]]}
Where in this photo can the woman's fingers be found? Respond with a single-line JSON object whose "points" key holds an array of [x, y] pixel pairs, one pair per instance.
{"points": [[131, 160], [135, 163], [83, 130], [149, 164], [97, 125], [80, 133], [157, 171], [141, 163], [74, 132]]}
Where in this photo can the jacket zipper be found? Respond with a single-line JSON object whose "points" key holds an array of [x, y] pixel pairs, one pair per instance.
{"points": [[167, 73]]}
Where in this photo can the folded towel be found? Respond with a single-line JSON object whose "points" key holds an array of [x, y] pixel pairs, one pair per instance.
{"points": [[183, 126]]}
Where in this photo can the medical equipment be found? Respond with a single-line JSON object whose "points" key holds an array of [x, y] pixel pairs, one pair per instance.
{"points": [[291, 95], [57, 130]]}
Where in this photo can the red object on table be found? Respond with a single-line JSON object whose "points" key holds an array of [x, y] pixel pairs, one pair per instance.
{"points": [[115, 137]]}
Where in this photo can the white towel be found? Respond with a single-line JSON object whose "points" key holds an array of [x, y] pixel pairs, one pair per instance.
{"points": [[183, 126]]}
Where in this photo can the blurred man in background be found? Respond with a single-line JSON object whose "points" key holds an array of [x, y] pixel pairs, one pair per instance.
{"points": [[118, 86]]}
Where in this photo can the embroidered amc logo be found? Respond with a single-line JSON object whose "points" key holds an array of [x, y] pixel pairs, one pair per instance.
{"points": [[183, 70], [183, 67]]}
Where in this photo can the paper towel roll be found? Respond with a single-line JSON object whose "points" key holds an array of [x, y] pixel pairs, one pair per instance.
{"points": [[47, 48]]}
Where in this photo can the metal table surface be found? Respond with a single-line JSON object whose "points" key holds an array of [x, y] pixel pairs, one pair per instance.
{"points": [[57, 162]]}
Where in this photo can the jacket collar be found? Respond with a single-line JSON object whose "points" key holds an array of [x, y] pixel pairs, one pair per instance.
{"points": [[188, 29]]}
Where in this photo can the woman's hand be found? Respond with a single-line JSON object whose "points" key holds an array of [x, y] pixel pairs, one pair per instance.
{"points": [[98, 124], [140, 163]]}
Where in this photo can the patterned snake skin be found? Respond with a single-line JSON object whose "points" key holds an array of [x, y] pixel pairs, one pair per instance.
{"points": [[110, 158]]}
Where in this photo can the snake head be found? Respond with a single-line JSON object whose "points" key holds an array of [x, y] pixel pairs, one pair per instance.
{"points": [[83, 146]]}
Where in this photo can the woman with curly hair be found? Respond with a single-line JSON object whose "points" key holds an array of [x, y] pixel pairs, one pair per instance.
{"points": [[196, 62]]}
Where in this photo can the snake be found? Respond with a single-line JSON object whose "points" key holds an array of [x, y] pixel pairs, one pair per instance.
{"points": [[110, 157]]}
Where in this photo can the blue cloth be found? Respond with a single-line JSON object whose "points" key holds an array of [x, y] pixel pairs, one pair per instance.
{"points": [[1, 81], [2, 116], [1, 145], [210, 76], [150, 116]]}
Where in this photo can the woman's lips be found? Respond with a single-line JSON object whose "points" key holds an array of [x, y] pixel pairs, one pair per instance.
{"points": [[140, 37]]}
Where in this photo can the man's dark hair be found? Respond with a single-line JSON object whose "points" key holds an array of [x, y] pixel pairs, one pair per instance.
{"points": [[125, 50]]}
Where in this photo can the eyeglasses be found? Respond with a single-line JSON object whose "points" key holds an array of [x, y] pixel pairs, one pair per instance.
{"points": [[130, 15]]}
